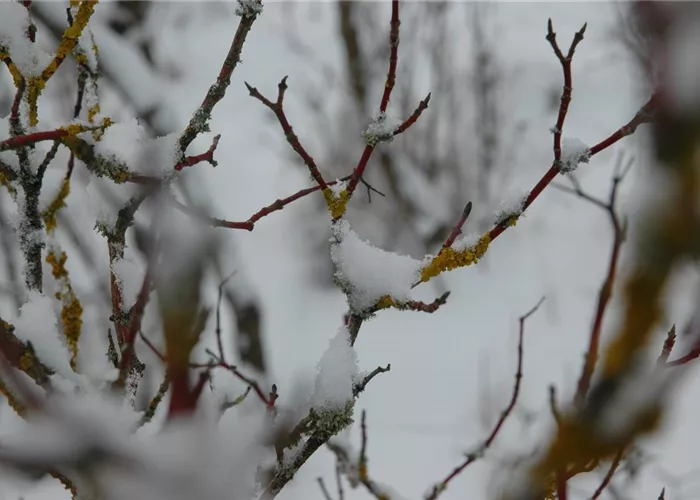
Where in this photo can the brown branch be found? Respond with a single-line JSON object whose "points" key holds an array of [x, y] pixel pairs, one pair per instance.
{"points": [[668, 346], [473, 457], [359, 388], [324, 490], [200, 119], [605, 292], [371, 486]]}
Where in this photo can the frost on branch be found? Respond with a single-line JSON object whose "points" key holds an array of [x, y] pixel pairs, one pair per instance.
{"points": [[511, 208], [381, 129], [573, 152], [249, 8], [366, 273]]}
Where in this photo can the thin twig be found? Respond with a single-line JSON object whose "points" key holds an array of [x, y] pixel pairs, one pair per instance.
{"points": [[473, 457]]}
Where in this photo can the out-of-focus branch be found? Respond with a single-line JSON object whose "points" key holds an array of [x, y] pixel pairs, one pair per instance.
{"points": [[619, 228]]}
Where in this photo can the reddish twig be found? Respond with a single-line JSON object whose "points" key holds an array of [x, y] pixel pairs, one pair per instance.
{"points": [[217, 364], [609, 475], [393, 56], [668, 346], [605, 292], [277, 205], [236, 372], [566, 93], [278, 109], [457, 229], [562, 487], [694, 353], [548, 177], [388, 88], [414, 116], [372, 487], [417, 305], [473, 457], [135, 317], [207, 156]]}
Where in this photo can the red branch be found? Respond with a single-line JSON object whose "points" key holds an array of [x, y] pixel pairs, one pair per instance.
{"points": [[293, 140], [218, 364], [644, 115], [457, 230], [417, 305], [566, 93], [605, 292], [207, 156], [473, 457], [388, 88], [422, 106], [29, 139], [609, 475], [135, 317], [393, 56]]}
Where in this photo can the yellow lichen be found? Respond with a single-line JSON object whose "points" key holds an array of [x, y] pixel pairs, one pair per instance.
{"points": [[81, 58], [70, 38], [26, 362], [449, 258], [14, 71], [93, 111], [34, 88], [337, 204], [5, 181], [50, 214], [72, 310], [385, 302], [512, 220]]}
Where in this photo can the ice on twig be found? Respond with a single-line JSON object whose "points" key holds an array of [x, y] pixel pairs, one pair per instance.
{"points": [[573, 152], [381, 129], [249, 8], [511, 207], [366, 273], [338, 187]]}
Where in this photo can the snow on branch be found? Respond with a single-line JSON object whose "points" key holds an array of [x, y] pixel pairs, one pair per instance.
{"points": [[367, 274]]}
